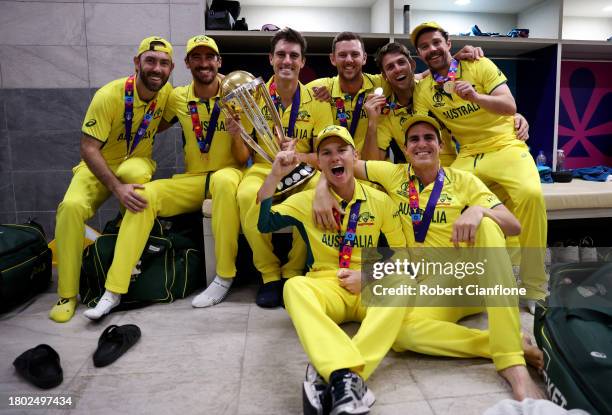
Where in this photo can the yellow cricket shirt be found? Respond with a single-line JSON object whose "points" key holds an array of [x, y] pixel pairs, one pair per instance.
{"points": [[104, 120], [376, 214], [220, 154], [312, 117], [476, 129], [370, 82], [392, 127], [461, 189]]}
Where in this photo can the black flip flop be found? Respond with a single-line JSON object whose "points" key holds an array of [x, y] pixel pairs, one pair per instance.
{"points": [[40, 366], [114, 341]]}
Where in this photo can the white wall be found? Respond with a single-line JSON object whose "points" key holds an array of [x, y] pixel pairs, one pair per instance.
{"points": [[455, 22], [542, 20], [309, 19], [379, 20], [587, 28]]}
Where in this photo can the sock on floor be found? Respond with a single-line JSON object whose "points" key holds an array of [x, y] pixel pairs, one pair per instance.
{"points": [[63, 310], [108, 301], [214, 293]]}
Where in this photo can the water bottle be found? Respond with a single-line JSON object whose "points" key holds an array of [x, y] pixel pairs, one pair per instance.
{"points": [[541, 159], [560, 160], [406, 18]]}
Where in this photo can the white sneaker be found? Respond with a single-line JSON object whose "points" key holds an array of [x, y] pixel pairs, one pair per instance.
{"points": [[314, 391], [108, 301], [350, 395]]}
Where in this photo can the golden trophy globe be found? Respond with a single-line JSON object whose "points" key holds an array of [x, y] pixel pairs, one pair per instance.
{"points": [[244, 94]]}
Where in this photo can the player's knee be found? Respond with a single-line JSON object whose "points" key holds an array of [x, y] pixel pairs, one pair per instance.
{"points": [[72, 206]]}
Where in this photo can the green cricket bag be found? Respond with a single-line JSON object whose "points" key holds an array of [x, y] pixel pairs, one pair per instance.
{"points": [[574, 330], [25, 263], [170, 266]]}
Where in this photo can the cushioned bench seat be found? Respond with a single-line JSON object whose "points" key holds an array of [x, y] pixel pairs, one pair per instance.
{"points": [[578, 199]]}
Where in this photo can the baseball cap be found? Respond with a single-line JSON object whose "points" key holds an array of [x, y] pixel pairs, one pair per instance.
{"points": [[201, 40], [333, 131], [423, 118], [155, 43], [427, 25]]}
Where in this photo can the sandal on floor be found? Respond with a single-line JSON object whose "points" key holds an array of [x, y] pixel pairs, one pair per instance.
{"points": [[114, 341], [40, 366]]}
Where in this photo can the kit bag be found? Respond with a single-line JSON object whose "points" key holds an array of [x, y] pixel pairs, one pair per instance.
{"points": [[170, 266], [573, 327], [25, 263]]}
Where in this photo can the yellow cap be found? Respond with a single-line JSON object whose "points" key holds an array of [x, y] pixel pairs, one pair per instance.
{"points": [[201, 40], [155, 43], [333, 131], [427, 25], [423, 118]]}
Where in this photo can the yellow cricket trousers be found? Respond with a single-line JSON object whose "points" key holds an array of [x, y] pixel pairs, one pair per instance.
{"points": [[81, 201], [511, 173], [434, 330], [169, 197], [264, 258], [317, 305]]}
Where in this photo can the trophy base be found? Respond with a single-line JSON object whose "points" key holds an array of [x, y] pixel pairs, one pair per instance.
{"points": [[298, 176]]}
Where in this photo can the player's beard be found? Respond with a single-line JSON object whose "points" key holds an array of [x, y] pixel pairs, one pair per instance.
{"points": [[151, 85], [204, 79]]}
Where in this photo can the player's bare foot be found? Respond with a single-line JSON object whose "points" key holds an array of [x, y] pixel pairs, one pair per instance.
{"points": [[533, 355], [521, 383]]}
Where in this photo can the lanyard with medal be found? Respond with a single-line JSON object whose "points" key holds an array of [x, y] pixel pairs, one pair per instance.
{"points": [[389, 104], [448, 82], [128, 115], [295, 106], [204, 143], [342, 116], [348, 242], [421, 221]]}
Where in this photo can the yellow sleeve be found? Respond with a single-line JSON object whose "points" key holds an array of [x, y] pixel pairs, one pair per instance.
{"points": [[489, 75], [323, 117], [326, 82], [392, 226], [420, 97], [384, 132], [478, 194], [297, 206], [98, 120], [170, 111], [381, 172]]}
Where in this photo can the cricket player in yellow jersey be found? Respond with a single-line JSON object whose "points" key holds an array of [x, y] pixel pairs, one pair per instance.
{"points": [[214, 154], [329, 293], [302, 118], [350, 88], [387, 116], [475, 104], [116, 149], [465, 212]]}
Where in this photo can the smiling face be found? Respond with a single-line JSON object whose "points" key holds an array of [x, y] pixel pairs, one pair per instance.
{"points": [[434, 50], [336, 160], [204, 64], [397, 70], [153, 69], [422, 148], [348, 58], [287, 60]]}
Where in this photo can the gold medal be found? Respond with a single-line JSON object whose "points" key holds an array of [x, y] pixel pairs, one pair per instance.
{"points": [[449, 87]]}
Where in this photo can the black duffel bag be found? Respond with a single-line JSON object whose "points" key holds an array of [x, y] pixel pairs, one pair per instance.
{"points": [[574, 330], [170, 266], [25, 263]]}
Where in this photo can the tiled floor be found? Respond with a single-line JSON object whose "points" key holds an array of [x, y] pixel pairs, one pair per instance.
{"points": [[234, 358]]}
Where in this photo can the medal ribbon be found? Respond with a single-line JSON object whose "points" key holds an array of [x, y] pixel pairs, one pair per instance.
{"points": [[204, 143], [452, 73], [128, 115], [295, 106], [346, 248], [342, 116], [421, 222]]}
